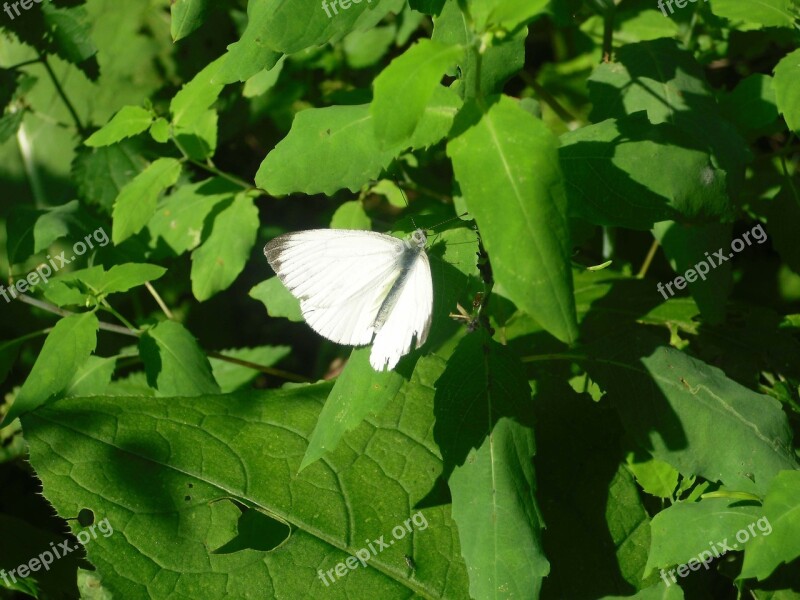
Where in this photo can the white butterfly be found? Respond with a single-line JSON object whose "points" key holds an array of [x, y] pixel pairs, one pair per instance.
{"points": [[354, 286]]}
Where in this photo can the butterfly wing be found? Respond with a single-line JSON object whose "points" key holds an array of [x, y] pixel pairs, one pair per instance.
{"points": [[410, 316], [340, 276]]}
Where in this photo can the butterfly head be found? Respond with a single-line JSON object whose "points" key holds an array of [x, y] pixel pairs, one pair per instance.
{"points": [[418, 238]]}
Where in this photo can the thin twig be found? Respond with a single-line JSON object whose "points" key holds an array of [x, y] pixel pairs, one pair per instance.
{"points": [[164, 308], [60, 91], [256, 367], [548, 98], [24, 63], [608, 34], [52, 308], [648, 259]]}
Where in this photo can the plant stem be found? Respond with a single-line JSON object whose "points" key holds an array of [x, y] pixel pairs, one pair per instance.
{"points": [[52, 308], [648, 259], [256, 367], [608, 33], [548, 98], [210, 168], [24, 63], [60, 91], [122, 319], [162, 305]]}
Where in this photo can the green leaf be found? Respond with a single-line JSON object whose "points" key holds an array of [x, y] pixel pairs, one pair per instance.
{"points": [[359, 391], [262, 82], [665, 80], [769, 13], [66, 348], [686, 247], [658, 591], [405, 87], [669, 401], [351, 215], [30, 230], [232, 377], [175, 364], [787, 89], [92, 377], [332, 148], [180, 220], [187, 16], [278, 301], [129, 121], [621, 173], [483, 429], [697, 530], [500, 61], [193, 100], [290, 26], [752, 104], [506, 162], [779, 528], [217, 263], [654, 476], [508, 14], [101, 173], [137, 201], [69, 31], [119, 278], [783, 214], [193, 461], [365, 48]]}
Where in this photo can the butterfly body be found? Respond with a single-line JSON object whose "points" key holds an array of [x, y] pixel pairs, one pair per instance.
{"points": [[357, 287]]}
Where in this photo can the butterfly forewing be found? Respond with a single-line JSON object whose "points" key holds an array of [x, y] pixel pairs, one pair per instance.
{"points": [[341, 278]]}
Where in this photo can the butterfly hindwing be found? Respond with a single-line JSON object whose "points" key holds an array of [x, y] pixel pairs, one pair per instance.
{"points": [[409, 318]]}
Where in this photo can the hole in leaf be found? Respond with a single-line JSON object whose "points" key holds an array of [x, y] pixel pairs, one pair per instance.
{"points": [[256, 530], [85, 517]]}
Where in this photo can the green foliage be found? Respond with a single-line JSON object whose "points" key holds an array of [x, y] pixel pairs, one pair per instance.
{"points": [[577, 424]]}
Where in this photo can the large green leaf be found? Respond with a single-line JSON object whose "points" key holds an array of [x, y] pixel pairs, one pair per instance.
{"points": [[670, 401], [66, 348], [177, 477], [506, 162], [484, 430], [332, 148], [405, 87], [699, 531], [621, 173], [665, 80], [137, 201], [779, 528], [218, 262], [763, 12], [175, 364], [292, 25], [787, 89]]}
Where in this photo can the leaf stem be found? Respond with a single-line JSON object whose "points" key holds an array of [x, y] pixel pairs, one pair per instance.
{"points": [[209, 167]]}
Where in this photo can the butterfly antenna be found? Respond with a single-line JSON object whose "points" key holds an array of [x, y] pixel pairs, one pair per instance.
{"points": [[449, 220], [405, 199]]}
